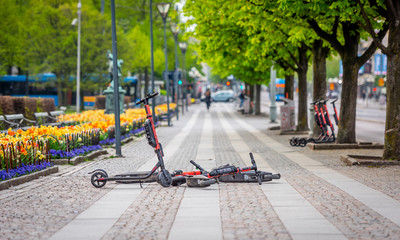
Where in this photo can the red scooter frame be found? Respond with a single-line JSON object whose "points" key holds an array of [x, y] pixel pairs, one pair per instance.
{"points": [[163, 177]]}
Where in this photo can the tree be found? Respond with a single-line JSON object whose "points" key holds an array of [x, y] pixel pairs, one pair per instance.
{"points": [[12, 35], [337, 23], [223, 43], [280, 39], [51, 41], [372, 11]]}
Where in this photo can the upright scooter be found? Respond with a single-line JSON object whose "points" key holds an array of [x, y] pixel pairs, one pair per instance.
{"points": [[163, 177], [323, 120]]}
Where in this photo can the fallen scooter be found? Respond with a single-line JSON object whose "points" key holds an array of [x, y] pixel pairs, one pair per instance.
{"points": [[202, 178], [226, 173]]}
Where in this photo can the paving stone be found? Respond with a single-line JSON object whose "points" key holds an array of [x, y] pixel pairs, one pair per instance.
{"points": [[39, 209]]}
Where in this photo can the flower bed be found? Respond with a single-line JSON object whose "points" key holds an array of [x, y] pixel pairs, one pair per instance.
{"points": [[22, 152], [23, 170]]}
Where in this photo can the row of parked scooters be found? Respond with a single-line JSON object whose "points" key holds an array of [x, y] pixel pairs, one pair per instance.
{"points": [[323, 120]]}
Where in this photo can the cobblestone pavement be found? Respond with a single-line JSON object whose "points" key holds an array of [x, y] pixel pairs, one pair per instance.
{"points": [[374, 177], [41, 208]]}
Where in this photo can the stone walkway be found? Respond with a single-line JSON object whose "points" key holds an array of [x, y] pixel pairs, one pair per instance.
{"points": [[317, 198]]}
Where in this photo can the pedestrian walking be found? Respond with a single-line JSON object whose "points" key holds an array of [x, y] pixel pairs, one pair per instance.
{"points": [[208, 99], [241, 97]]}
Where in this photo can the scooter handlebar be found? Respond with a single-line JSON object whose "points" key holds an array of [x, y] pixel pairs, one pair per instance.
{"points": [[149, 95], [197, 165], [324, 101]]}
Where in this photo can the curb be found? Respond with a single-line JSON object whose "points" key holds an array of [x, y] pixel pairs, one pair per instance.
{"points": [[364, 160], [369, 120], [334, 146], [26, 178], [78, 159], [126, 140]]}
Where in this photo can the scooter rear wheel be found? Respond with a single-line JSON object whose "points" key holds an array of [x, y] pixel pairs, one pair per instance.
{"points": [[95, 179], [164, 178]]}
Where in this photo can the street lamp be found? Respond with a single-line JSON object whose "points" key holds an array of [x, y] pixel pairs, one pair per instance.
{"points": [[153, 100], [175, 31], [272, 108], [78, 65], [163, 10], [183, 47]]}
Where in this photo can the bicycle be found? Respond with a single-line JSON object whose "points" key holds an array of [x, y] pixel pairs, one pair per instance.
{"points": [[100, 177]]}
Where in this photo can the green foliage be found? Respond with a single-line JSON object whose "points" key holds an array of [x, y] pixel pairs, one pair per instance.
{"points": [[332, 67], [38, 36]]}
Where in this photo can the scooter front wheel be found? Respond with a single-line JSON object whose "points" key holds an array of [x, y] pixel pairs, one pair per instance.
{"points": [[293, 142], [164, 178], [98, 179]]}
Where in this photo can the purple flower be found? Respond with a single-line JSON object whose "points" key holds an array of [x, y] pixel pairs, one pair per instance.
{"points": [[23, 170]]}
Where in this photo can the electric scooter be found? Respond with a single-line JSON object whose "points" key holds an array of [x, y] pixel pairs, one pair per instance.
{"points": [[323, 120], [100, 177], [226, 173]]}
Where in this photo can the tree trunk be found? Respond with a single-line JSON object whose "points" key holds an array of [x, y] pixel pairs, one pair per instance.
{"points": [[257, 105], [302, 122], [289, 86], [251, 86], [146, 81], [59, 89], [392, 127], [320, 53], [139, 85], [27, 83], [348, 104]]}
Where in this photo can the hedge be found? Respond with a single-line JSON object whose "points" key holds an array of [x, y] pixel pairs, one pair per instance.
{"points": [[25, 105]]}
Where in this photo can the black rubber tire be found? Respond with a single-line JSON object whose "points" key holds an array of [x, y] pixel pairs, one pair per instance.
{"points": [[100, 170], [292, 142], [164, 178], [177, 181], [96, 175], [302, 142]]}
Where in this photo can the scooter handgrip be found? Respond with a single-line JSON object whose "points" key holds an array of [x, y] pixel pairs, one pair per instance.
{"points": [[253, 161], [139, 102], [152, 95], [148, 97]]}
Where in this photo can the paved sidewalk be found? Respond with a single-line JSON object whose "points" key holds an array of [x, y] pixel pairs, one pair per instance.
{"points": [[317, 198]]}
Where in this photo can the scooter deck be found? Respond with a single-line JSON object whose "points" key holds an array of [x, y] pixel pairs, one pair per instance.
{"points": [[249, 177]]}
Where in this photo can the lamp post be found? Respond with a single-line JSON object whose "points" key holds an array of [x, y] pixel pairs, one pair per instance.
{"points": [[272, 108], [153, 100], [78, 67], [175, 31], [116, 82], [183, 47], [163, 10]]}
